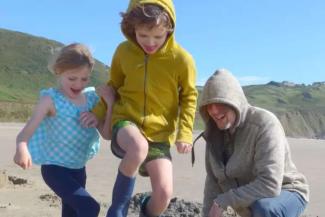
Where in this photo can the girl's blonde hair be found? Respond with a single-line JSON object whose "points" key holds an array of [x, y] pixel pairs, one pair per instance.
{"points": [[70, 57]]}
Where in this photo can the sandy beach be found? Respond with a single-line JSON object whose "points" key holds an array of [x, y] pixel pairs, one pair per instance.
{"points": [[24, 193]]}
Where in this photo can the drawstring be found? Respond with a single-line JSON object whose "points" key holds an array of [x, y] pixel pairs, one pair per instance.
{"points": [[193, 154]]}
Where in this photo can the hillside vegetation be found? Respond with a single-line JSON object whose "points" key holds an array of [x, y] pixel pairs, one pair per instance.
{"points": [[300, 108], [23, 66], [23, 72]]}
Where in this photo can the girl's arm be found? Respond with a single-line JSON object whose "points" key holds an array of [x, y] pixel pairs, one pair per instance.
{"points": [[89, 119], [42, 109]]}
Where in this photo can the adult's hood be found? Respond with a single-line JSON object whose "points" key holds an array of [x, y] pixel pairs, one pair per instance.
{"points": [[169, 7], [223, 87]]}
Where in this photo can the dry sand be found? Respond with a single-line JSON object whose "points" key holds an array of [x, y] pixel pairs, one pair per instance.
{"points": [[34, 199]]}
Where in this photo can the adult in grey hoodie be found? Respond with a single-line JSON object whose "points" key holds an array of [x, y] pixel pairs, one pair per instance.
{"points": [[248, 160]]}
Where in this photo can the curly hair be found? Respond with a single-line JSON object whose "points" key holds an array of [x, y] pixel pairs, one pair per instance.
{"points": [[150, 15]]}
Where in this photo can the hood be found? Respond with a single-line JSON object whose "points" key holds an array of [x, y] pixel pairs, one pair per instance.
{"points": [[223, 87], [169, 7]]}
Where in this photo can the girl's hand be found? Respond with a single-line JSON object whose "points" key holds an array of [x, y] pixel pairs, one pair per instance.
{"points": [[107, 93], [22, 156], [88, 120], [183, 147]]}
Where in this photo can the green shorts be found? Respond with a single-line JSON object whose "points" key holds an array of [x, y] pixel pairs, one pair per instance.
{"points": [[156, 150]]}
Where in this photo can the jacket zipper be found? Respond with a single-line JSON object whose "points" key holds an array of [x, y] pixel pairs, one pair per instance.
{"points": [[145, 89]]}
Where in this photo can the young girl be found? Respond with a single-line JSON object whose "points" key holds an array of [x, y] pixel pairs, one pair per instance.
{"points": [[154, 78], [54, 137]]}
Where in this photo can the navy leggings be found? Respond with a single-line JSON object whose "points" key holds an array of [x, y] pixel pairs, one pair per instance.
{"points": [[69, 185]]}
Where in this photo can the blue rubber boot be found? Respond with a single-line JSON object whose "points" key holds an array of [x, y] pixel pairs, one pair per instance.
{"points": [[122, 193]]}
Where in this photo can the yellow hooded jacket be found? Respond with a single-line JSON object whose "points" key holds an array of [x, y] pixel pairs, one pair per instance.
{"points": [[154, 91]]}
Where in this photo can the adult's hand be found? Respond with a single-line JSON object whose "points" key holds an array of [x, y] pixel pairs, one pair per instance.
{"points": [[216, 210]]}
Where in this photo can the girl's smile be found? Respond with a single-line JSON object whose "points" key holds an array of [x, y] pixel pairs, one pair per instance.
{"points": [[73, 81]]}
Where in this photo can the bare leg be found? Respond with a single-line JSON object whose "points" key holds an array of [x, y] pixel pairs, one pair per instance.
{"points": [[161, 177], [135, 146]]}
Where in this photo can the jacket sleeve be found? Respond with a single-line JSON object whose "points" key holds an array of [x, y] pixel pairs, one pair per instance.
{"points": [[188, 98], [115, 80], [268, 169]]}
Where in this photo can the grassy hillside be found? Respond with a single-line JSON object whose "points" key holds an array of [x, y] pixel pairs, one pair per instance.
{"points": [[300, 108], [23, 66], [282, 98]]}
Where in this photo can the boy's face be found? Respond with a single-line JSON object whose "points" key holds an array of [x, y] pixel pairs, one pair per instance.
{"points": [[151, 40], [224, 116]]}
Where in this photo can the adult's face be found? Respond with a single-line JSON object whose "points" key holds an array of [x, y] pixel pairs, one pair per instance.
{"points": [[223, 115]]}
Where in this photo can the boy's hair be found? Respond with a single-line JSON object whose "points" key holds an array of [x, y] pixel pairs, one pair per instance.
{"points": [[150, 15], [70, 57]]}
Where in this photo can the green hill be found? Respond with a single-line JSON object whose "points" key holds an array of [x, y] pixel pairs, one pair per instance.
{"points": [[23, 66], [23, 72], [300, 108]]}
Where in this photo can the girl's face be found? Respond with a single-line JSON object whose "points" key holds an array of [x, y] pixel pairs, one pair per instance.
{"points": [[151, 40], [224, 116], [73, 81]]}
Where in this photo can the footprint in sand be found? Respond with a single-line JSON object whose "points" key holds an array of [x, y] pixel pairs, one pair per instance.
{"points": [[11, 180], [53, 200], [16, 180]]}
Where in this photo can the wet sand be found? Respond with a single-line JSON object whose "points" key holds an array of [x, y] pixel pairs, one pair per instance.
{"points": [[25, 194]]}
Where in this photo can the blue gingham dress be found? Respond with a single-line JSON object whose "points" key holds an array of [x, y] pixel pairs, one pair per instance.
{"points": [[60, 139]]}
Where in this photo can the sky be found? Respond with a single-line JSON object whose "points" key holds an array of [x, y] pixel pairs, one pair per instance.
{"points": [[257, 40]]}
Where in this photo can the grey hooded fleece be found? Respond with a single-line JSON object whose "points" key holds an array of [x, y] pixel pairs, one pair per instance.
{"points": [[251, 163]]}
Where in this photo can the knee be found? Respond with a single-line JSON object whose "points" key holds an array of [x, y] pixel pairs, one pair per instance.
{"points": [[138, 150], [164, 195], [263, 208]]}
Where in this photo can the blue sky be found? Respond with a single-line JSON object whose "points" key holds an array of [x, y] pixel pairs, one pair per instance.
{"points": [[258, 40]]}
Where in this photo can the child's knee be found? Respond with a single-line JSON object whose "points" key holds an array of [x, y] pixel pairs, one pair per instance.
{"points": [[164, 195], [139, 150]]}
